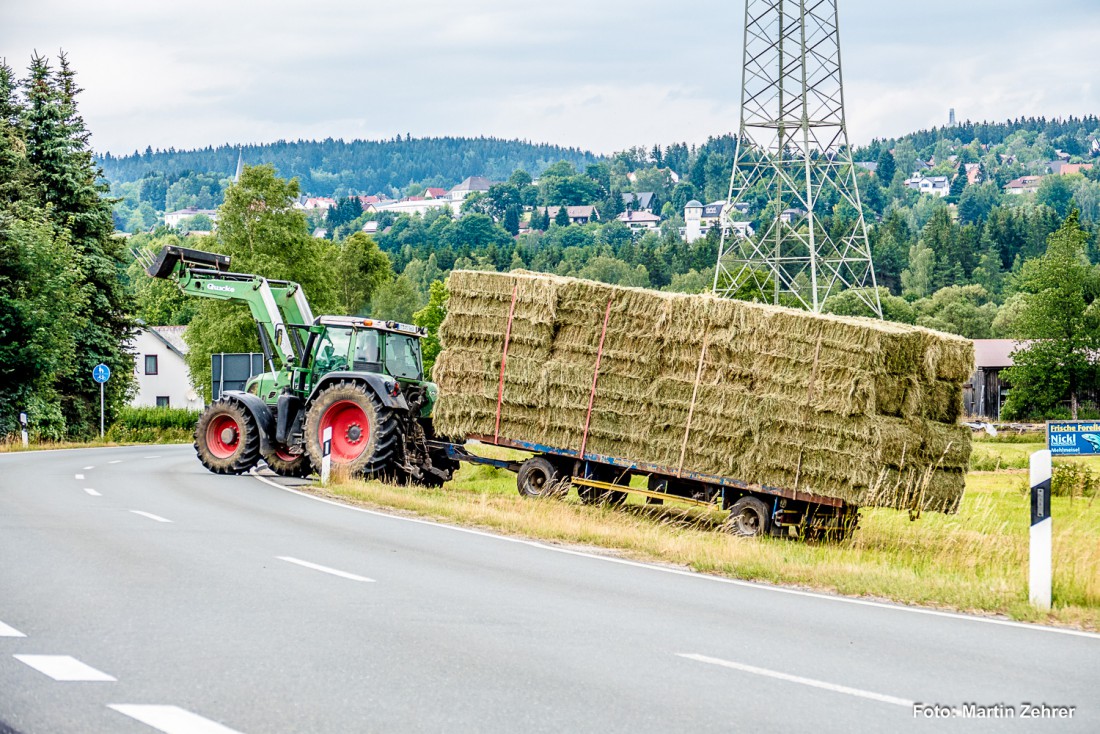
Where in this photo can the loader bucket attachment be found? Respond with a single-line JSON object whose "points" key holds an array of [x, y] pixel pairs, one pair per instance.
{"points": [[170, 256]]}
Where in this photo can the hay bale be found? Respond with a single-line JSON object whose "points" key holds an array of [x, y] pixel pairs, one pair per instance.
{"points": [[851, 408]]}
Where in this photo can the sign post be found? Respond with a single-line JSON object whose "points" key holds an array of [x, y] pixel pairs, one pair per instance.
{"points": [[23, 424], [101, 373], [326, 449], [1039, 572]]}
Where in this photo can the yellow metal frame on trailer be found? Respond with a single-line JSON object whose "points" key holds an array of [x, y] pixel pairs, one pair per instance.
{"points": [[608, 486]]}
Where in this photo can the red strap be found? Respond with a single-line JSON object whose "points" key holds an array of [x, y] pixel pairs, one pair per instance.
{"points": [[504, 360], [595, 376]]}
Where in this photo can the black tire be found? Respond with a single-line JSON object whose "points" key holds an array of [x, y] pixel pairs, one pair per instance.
{"points": [[352, 409], [749, 518], [227, 439], [286, 464], [594, 496], [537, 477]]}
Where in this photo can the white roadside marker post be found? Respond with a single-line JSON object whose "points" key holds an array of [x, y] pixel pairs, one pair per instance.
{"points": [[23, 431], [326, 449], [1039, 576]]}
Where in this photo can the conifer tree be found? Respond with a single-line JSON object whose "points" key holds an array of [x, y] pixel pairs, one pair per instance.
{"points": [[65, 182]]}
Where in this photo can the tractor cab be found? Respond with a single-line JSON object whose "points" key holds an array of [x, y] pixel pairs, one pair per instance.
{"points": [[341, 343]]}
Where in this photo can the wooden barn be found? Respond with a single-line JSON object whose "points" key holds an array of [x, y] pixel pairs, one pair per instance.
{"points": [[985, 393]]}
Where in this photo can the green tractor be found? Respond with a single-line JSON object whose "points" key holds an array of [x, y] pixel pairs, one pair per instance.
{"points": [[362, 378]]}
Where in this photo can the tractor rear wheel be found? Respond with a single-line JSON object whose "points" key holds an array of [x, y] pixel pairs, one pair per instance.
{"points": [[364, 432], [227, 438], [286, 464]]}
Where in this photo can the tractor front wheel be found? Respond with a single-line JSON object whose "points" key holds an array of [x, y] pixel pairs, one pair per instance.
{"points": [[364, 432], [227, 438], [286, 464]]}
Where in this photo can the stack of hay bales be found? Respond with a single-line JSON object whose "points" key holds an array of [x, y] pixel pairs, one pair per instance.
{"points": [[856, 409]]}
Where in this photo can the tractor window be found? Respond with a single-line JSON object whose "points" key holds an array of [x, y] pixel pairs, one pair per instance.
{"points": [[403, 356], [366, 352], [332, 350]]}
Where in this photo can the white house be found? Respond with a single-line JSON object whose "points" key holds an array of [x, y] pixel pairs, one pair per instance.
{"points": [[1023, 185], [934, 185], [699, 218], [417, 205], [173, 219], [576, 214], [161, 371], [640, 220]]}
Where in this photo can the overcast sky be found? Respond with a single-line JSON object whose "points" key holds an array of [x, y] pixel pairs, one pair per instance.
{"points": [[598, 74]]}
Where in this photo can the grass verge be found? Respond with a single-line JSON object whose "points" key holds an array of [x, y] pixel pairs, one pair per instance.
{"points": [[975, 561], [163, 437]]}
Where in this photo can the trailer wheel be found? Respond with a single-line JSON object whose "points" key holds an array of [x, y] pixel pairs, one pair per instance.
{"points": [[286, 464], [364, 432], [537, 477], [749, 518], [227, 438]]}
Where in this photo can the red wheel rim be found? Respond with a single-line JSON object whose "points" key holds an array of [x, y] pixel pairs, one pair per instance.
{"points": [[285, 455], [350, 431], [223, 436]]}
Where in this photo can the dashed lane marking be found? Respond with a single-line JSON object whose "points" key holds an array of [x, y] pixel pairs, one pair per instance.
{"points": [[325, 569], [151, 457], [9, 631], [151, 516], [92, 492], [116, 461], [64, 668], [882, 698], [78, 476], [89, 468], [171, 719]]}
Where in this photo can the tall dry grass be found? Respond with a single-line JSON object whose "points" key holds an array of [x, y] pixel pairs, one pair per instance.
{"points": [[973, 561]]}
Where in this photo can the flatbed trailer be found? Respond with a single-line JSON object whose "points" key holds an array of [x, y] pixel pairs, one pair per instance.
{"points": [[754, 509]]}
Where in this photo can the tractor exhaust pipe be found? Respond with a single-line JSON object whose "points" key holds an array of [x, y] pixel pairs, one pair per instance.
{"points": [[171, 256]]}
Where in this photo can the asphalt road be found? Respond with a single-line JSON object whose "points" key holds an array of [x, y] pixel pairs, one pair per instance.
{"points": [[140, 593]]}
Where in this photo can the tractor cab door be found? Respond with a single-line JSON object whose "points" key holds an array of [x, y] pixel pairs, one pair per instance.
{"points": [[332, 350], [402, 356], [367, 356]]}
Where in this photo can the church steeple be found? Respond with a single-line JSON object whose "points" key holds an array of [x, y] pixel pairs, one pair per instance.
{"points": [[240, 165]]}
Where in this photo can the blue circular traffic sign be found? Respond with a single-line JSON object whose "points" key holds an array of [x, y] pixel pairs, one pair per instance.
{"points": [[101, 373]]}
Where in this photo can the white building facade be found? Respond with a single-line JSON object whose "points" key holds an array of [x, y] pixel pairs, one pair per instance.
{"points": [[161, 371]]}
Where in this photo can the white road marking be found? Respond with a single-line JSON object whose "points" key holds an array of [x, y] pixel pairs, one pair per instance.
{"points": [[63, 668], [92, 492], [325, 569], [78, 476], [89, 468], [151, 516], [693, 574], [799, 679], [116, 461], [7, 631], [171, 719], [151, 457]]}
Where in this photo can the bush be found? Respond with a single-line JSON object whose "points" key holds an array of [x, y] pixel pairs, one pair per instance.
{"points": [[1073, 479], [133, 418], [153, 425]]}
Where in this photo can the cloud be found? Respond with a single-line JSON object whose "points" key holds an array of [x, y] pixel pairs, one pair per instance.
{"points": [[599, 74]]}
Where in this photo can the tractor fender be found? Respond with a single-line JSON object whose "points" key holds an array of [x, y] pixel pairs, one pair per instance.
{"points": [[382, 385], [261, 413]]}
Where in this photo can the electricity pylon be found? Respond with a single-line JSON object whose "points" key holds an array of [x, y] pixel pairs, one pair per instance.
{"points": [[794, 167]]}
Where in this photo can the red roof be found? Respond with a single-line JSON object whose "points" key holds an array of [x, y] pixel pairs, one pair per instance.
{"points": [[435, 193]]}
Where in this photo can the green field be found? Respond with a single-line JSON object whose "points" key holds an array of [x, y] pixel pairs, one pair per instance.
{"points": [[974, 561]]}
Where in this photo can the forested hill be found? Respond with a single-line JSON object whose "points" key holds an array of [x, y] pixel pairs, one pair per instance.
{"points": [[1068, 134], [337, 167]]}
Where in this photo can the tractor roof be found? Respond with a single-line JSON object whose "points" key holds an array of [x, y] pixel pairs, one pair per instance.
{"points": [[361, 323]]}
